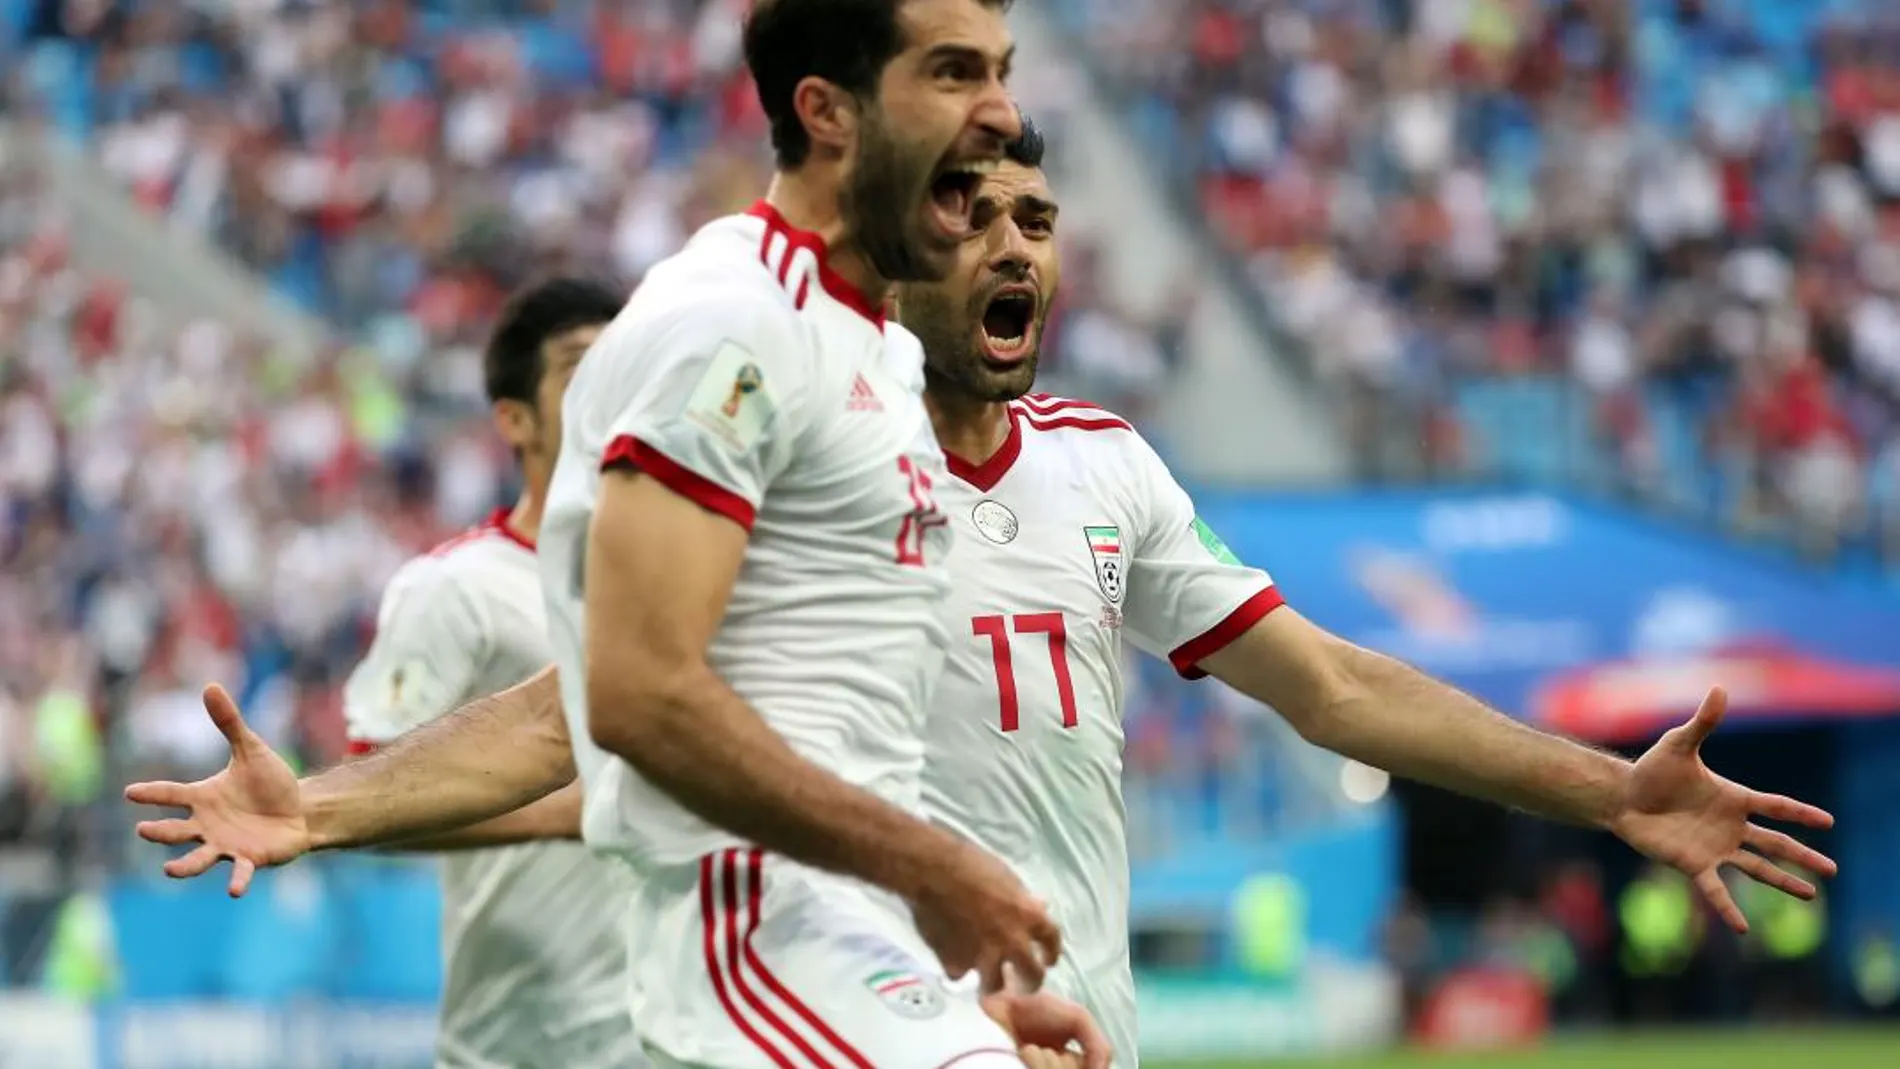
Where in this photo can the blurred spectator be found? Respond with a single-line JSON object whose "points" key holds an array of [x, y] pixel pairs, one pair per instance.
{"points": [[1685, 211], [1573, 899]]}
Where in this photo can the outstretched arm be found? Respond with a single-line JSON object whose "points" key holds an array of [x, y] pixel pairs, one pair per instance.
{"points": [[1668, 805], [1389, 715], [484, 760], [556, 816]]}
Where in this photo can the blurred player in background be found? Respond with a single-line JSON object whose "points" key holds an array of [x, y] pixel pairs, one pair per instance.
{"points": [[1072, 532], [534, 968]]}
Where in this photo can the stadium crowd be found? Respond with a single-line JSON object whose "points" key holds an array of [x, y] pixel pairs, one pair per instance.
{"points": [[1681, 212]]}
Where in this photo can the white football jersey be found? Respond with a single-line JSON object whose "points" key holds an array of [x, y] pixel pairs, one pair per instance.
{"points": [[748, 377], [533, 938], [1073, 535]]}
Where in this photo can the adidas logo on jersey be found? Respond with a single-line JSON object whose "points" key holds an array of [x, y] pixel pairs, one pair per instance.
{"points": [[863, 398]]}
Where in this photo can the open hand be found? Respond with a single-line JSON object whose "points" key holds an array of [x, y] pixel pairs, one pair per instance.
{"points": [[1683, 815], [250, 814]]}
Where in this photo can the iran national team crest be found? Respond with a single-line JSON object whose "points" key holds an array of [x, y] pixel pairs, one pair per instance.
{"points": [[995, 521], [906, 993], [1105, 546]]}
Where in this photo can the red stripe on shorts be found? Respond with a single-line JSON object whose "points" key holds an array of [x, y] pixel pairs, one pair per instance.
{"points": [[756, 860], [713, 965], [729, 883]]}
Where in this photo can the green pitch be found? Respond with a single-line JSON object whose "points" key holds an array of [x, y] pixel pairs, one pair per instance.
{"points": [[1781, 1049]]}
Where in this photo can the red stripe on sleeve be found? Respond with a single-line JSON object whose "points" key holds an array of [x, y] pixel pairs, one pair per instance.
{"points": [[1188, 656], [359, 747], [629, 451]]}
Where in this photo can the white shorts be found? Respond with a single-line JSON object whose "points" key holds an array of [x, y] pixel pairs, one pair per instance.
{"points": [[750, 961]]}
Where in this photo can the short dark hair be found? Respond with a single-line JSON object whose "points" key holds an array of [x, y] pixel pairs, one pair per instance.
{"points": [[511, 365], [1027, 149], [846, 42]]}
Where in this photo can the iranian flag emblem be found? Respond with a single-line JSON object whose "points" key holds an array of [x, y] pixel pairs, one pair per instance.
{"points": [[906, 993], [1105, 549]]}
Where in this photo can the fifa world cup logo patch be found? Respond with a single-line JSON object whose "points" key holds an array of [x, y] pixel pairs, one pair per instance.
{"points": [[745, 383], [732, 399]]}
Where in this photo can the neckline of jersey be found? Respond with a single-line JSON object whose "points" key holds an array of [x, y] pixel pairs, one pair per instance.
{"points": [[498, 521], [986, 475], [840, 289]]}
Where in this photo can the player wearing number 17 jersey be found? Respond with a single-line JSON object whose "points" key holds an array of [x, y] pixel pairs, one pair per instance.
{"points": [[1071, 537], [1071, 534]]}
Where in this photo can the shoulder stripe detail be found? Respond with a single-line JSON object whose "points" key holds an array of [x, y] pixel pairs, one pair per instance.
{"points": [[468, 537], [788, 251], [780, 254], [496, 525], [1049, 404], [1076, 421]]}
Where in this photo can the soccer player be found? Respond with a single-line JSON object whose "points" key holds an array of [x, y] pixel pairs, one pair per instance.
{"points": [[1072, 534], [744, 568], [534, 964]]}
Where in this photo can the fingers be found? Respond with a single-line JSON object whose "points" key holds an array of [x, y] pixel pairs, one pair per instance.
{"points": [[225, 715], [168, 832], [1782, 807], [1782, 847], [1023, 970], [1096, 1049], [989, 970], [1690, 736], [242, 869], [160, 792], [1031, 962], [1043, 1058], [956, 966], [1761, 870], [196, 863], [1048, 938], [1709, 882]]}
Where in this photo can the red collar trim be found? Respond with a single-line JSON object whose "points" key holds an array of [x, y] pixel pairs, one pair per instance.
{"points": [[841, 291], [498, 522], [986, 475]]}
